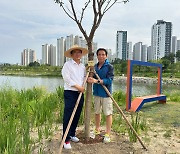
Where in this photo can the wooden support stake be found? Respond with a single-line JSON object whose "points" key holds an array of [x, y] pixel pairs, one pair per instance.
{"points": [[117, 106]]}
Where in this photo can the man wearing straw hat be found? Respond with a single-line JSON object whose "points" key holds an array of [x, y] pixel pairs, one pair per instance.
{"points": [[73, 73]]}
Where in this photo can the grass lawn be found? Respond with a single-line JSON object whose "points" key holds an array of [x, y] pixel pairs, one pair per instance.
{"points": [[166, 114]]}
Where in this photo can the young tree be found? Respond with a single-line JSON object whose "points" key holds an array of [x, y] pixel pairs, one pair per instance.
{"points": [[98, 10]]}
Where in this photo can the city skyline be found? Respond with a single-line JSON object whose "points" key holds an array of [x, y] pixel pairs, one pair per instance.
{"points": [[33, 23], [54, 55], [161, 40]]}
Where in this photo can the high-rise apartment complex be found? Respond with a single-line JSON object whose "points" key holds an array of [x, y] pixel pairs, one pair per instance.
{"points": [[60, 51], [137, 51], [110, 57], [121, 45], [45, 54], [140, 52], [162, 44], [178, 45], [32, 56], [144, 53], [52, 55], [24, 57], [149, 53], [28, 56], [129, 51], [49, 55], [79, 41], [174, 45], [68, 42], [82, 43], [161, 39]]}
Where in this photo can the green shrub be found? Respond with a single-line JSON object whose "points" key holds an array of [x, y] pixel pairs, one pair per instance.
{"points": [[120, 97]]}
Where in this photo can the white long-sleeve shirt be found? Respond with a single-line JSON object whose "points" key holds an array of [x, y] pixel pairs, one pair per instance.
{"points": [[73, 74]]}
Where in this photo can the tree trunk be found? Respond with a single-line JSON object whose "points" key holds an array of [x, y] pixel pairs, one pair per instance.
{"points": [[88, 100]]}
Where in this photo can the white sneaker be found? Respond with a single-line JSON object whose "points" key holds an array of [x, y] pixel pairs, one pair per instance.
{"points": [[94, 133], [67, 145], [74, 139], [107, 138]]}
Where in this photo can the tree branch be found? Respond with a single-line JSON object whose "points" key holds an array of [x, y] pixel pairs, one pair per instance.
{"points": [[97, 17], [77, 21], [98, 11], [115, 1], [108, 2], [83, 9], [61, 4]]}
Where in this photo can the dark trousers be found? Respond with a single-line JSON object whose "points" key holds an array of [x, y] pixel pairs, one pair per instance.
{"points": [[70, 98]]}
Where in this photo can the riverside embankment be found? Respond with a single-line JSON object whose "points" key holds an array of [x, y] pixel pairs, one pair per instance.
{"points": [[148, 80]]}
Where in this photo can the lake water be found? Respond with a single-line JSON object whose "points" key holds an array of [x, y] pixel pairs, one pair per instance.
{"points": [[51, 83]]}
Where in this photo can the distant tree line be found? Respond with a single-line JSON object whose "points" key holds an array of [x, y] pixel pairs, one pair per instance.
{"points": [[169, 67], [33, 68]]}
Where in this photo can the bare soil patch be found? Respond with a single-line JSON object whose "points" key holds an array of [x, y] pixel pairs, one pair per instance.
{"points": [[158, 140], [162, 137], [119, 145]]}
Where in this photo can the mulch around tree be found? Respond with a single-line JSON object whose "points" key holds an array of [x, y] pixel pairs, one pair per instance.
{"points": [[98, 138]]}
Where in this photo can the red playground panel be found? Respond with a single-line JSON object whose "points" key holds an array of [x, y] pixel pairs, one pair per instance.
{"points": [[138, 102]]}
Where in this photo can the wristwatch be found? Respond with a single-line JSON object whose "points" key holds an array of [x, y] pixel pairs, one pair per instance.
{"points": [[98, 82]]}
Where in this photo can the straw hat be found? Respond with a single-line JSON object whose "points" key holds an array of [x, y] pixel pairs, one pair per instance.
{"points": [[75, 47]]}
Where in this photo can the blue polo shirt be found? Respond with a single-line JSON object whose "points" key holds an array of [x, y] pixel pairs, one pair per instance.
{"points": [[106, 73]]}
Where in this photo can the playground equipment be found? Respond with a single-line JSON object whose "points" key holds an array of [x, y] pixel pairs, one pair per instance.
{"points": [[138, 102]]}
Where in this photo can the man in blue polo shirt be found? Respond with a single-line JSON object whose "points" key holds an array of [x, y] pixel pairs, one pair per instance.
{"points": [[101, 99]]}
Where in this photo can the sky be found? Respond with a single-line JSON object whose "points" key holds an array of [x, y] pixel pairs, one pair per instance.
{"points": [[32, 23]]}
